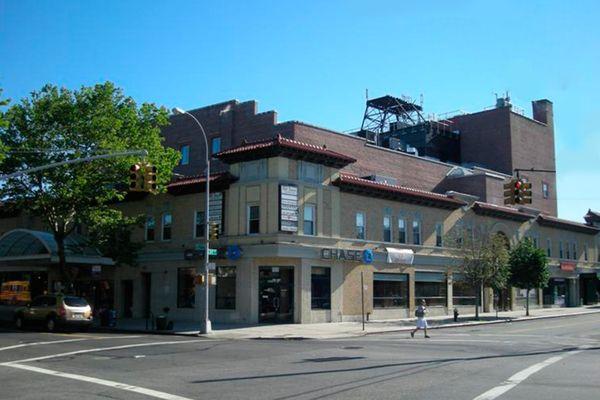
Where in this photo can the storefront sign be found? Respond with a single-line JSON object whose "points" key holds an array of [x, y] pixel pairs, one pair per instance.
{"points": [[367, 256], [288, 208], [233, 252], [400, 256], [341, 254], [567, 266]]}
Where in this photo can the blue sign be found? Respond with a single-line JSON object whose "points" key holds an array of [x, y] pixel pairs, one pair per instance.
{"points": [[234, 252], [367, 256]]}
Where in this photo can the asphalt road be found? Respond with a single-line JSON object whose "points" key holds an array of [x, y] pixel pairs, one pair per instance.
{"points": [[550, 359]]}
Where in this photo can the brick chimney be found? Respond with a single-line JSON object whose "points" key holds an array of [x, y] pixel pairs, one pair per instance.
{"points": [[542, 111]]}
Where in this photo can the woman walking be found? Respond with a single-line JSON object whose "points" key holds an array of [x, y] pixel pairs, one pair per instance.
{"points": [[420, 313]]}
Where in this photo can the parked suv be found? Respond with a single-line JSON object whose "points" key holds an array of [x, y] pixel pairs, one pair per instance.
{"points": [[54, 310]]}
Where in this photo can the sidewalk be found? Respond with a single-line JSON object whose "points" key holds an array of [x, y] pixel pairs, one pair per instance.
{"points": [[348, 329]]}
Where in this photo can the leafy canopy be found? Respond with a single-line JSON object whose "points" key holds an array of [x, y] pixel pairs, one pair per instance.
{"points": [[529, 266], [57, 124]]}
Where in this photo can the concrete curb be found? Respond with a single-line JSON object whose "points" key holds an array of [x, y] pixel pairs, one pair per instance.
{"points": [[344, 335]]}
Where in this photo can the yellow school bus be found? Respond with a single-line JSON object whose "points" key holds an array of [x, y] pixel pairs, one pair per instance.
{"points": [[15, 292]]}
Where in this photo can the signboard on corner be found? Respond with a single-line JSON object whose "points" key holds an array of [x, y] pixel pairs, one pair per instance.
{"points": [[288, 208]]}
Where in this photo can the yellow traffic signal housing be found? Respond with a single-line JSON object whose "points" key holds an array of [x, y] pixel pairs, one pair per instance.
{"points": [[214, 231], [526, 193], [135, 178], [150, 184], [509, 191]]}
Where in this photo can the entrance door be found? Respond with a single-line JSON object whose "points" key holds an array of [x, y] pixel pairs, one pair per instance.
{"points": [[276, 294], [127, 298], [146, 293]]}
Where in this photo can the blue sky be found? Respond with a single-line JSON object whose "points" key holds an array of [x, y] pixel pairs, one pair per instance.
{"points": [[313, 60]]}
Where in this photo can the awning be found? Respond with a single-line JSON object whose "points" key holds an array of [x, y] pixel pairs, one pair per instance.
{"points": [[25, 245], [400, 256]]}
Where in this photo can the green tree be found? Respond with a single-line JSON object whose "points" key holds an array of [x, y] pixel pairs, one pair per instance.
{"points": [[56, 124], [3, 125], [483, 259], [529, 268]]}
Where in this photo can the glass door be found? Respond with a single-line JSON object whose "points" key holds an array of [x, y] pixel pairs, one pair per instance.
{"points": [[276, 294]]}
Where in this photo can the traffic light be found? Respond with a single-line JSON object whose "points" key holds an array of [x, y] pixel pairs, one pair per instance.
{"points": [[150, 178], [509, 191], [214, 231], [526, 193], [135, 178]]}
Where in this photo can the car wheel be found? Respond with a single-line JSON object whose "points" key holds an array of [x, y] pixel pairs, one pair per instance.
{"points": [[51, 324], [19, 322]]}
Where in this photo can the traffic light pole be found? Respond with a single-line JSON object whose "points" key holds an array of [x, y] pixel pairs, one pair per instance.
{"points": [[206, 326], [517, 170], [76, 161]]}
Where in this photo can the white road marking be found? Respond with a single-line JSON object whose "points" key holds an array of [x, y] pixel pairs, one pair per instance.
{"points": [[98, 349], [16, 346], [103, 382], [522, 375]]}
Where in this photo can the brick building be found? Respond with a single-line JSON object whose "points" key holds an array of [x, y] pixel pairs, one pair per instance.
{"points": [[306, 212]]}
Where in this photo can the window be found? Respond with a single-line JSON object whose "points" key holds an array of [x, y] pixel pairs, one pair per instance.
{"points": [[549, 247], [360, 225], [521, 296], [431, 286], [387, 228], [439, 231], [560, 249], [401, 230], [568, 245], [253, 219], [309, 219], [186, 290], [463, 293], [185, 154], [310, 172], [534, 240], [215, 145], [199, 224], [416, 231], [574, 251], [585, 251], [150, 227], [545, 190], [320, 282], [252, 170], [390, 290], [167, 220], [225, 291]]}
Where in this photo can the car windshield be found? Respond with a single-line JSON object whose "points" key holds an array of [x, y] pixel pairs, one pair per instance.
{"points": [[75, 301]]}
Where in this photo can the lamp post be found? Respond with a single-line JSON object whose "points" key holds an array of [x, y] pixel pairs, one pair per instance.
{"points": [[206, 325]]}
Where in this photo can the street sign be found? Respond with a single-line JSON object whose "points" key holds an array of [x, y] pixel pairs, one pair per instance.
{"points": [[212, 252], [212, 266]]}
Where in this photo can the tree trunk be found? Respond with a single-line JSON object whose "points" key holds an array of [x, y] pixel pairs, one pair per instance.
{"points": [[478, 305], [527, 303], [65, 275]]}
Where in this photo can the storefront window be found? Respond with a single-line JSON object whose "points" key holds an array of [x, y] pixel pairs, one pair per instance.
{"points": [[167, 220], [401, 230], [556, 293], [253, 219], [321, 288], [416, 231], [390, 290], [186, 294], [431, 287], [199, 224], [225, 291], [387, 228], [309, 219], [360, 225], [521, 297], [463, 293], [150, 229]]}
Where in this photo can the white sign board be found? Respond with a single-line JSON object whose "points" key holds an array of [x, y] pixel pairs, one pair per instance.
{"points": [[288, 208]]}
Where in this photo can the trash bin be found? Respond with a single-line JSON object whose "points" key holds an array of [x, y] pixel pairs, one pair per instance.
{"points": [[161, 322]]}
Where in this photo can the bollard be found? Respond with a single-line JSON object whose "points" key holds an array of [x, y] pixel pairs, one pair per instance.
{"points": [[455, 314]]}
